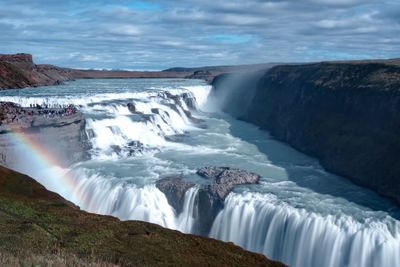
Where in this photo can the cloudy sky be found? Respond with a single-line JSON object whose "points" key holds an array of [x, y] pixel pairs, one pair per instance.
{"points": [[127, 34]]}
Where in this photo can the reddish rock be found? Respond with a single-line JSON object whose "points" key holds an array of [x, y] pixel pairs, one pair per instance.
{"points": [[19, 71], [23, 61]]}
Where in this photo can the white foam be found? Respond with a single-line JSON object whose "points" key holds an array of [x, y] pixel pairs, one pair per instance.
{"points": [[108, 196], [200, 93], [297, 237]]}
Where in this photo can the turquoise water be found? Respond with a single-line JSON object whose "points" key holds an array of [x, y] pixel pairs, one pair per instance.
{"points": [[299, 213]]}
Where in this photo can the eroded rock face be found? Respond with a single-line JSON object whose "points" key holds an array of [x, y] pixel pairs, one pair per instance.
{"points": [[210, 198], [174, 189], [23, 61], [19, 71], [223, 179]]}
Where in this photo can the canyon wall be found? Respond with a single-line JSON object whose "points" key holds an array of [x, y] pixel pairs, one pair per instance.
{"points": [[346, 114]]}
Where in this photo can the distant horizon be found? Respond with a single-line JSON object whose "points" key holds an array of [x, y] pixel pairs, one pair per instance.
{"points": [[157, 35], [201, 66]]}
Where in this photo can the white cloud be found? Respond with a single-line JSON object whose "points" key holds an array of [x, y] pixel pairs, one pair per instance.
{"points": [[95, 34]]}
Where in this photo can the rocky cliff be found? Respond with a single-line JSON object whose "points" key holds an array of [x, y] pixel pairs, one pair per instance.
{"points": [[346, 114], [19, 71], [24, 129], [39, 228]]}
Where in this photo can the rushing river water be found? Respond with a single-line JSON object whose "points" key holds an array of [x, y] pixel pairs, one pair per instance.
{"points": [[298, 214]]}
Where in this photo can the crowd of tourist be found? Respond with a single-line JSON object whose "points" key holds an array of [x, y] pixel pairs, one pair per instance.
{"points": [[10, 112], [54, 110]]}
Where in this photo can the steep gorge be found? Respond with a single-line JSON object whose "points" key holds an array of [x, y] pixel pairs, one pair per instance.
{"points": [[345, 114]]}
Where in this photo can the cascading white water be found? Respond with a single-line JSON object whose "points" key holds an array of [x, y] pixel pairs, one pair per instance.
{"points": [[108, 196], [301, 238], [157, 116], [185, 220], [288, 221]]}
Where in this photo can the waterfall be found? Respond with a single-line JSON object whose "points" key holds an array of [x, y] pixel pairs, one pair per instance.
{"points": [[300, 238], [132, 148], [157, 115], [108, 196], [186, 219]]}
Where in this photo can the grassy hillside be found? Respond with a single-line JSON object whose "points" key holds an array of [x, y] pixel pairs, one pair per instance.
{"points": [[38, 226]]}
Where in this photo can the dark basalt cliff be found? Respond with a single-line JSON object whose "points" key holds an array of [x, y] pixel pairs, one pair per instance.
{"points": [[345, 114], [40, 228]]}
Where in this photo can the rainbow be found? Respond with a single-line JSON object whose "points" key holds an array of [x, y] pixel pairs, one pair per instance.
{"points": [[50, 174]]}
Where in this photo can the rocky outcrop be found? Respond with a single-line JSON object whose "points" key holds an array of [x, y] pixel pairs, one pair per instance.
{"points": [[211, 197], [219, 182], [346, 114], [223, 179], [13, 77], [41, 129], [23, 61], [19, 71], [174, 189]]}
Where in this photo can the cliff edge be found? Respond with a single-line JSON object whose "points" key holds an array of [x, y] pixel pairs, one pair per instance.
{"points": [[345, 114], [38, 227], [23, 129], [19, 71]]}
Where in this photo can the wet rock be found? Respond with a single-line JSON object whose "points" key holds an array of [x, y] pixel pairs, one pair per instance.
{"points": [[134, 148], [174, 189], [155, 110], [210, 197], [189, 101], [175, 98], [132, 108], [117, 149], [223, 179]]}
